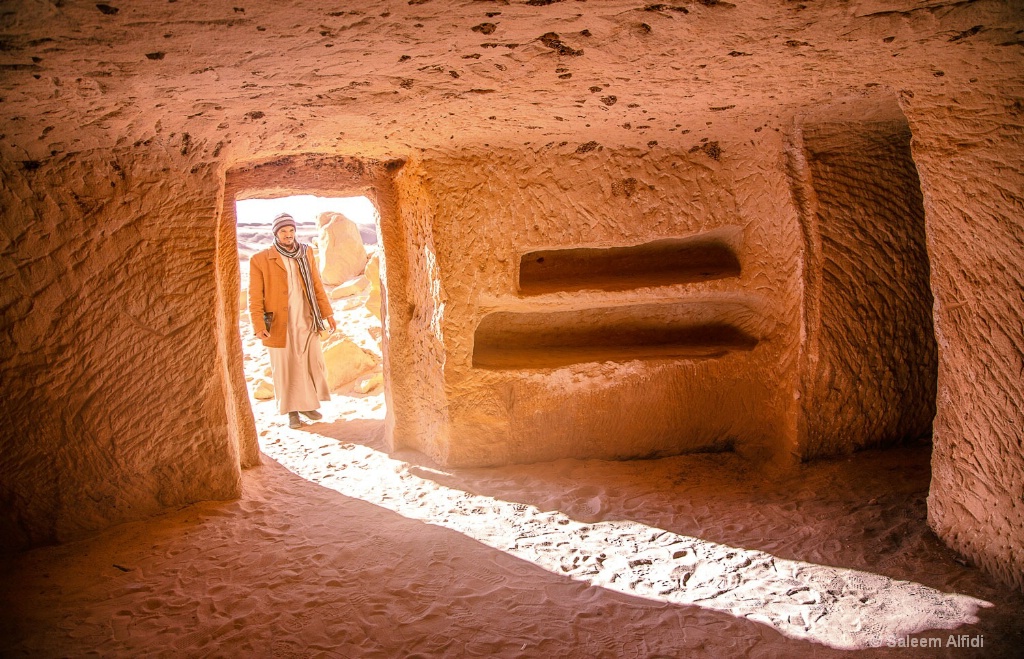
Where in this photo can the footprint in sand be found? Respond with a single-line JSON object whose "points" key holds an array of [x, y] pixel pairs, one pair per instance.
{"points": [[586, 502]]}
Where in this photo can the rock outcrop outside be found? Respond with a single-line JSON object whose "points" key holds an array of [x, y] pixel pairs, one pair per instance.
{"points": [[342, 256]]}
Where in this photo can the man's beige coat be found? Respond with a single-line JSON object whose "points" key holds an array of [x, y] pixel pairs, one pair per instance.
{"points": [[268, 291]]}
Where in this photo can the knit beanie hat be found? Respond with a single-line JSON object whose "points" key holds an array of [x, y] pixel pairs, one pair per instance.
{"points": [[283, 220]]}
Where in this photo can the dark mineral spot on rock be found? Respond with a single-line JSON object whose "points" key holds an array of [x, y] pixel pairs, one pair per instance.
{"points": [[585, 33], [889, 39], [551, 40], [406, 83], [652, 143], [664, 7], [645, 28], [453, 73], [626, 187], [239, 10], [609, 100], [738, 53], [30, 165], [712, 150], [541, 3], [156, 55], [418, 2], [595, 89], [966, 33], [939, 74], [492, 14], [255, 114], [473, 56], [260, 28], [107, 9], [565, 76], [793, 43], [586, 146], [721, 108], [485, 28], [405, 58], [627, 126]]}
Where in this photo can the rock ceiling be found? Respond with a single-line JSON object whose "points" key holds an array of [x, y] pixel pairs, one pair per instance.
{"points": [[387, 76]]}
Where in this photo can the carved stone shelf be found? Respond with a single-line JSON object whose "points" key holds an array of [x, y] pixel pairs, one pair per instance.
{"points": [[515, 340], [662, 262]]}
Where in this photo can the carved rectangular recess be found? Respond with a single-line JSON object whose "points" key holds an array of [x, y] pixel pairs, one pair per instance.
{"points": [[516, 340], [707, 256]]}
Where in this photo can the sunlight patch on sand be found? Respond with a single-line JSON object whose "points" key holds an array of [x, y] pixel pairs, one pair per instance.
{"points": [[838, 607]]}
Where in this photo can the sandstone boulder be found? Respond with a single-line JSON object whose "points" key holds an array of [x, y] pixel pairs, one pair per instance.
{"points": [[342, 255], [349, 288], [345, 362], [262, 390], [369, 383], [372, 272]]}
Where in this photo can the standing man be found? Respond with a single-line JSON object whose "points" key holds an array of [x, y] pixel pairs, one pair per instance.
{"points": [[288, 307]]}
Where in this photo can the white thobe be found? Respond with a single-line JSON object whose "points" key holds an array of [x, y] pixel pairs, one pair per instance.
{"points": [[300, 377]]}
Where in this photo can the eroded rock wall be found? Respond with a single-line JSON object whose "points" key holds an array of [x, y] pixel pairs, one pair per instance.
{"points": [[114, 395], [658, 367], [974, 204], [870, 355]]}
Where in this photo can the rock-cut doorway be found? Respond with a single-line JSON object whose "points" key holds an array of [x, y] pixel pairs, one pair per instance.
{"points": [[343, 234]]}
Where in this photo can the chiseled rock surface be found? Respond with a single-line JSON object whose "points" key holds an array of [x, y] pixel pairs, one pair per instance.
{"points": [[483, 131]]}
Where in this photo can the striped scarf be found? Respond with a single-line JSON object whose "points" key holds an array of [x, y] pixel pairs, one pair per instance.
{"points": [[299, 256]]}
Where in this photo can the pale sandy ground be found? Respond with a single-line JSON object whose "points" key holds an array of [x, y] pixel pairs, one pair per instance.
{"points": [[337, 549]]}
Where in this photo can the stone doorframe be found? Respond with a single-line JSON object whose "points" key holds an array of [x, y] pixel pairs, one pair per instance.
{"points": [[317, 174]]}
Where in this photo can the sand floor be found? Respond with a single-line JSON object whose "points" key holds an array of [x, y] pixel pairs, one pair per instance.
{"points": [[338, 549]]}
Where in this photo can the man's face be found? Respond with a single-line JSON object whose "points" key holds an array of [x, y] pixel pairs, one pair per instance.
{"points": [[286, 236]]}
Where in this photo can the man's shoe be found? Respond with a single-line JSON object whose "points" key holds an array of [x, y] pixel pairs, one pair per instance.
{"points": [[293, 420], [312, 414]]}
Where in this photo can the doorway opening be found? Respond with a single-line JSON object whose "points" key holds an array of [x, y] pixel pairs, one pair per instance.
{"points": [[871, 358], [343, 234]]}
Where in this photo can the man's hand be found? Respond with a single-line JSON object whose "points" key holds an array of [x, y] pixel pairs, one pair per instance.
{"points": [[263, 334], [334, 325]]}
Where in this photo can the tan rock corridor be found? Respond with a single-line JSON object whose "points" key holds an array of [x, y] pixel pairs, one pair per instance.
{"points": [[698, 331]]}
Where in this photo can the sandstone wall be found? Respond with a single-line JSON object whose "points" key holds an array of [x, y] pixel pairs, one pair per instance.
{"points": [[869, 356], [574, 367], [413, 304], [113, 391], [974, 204]]}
